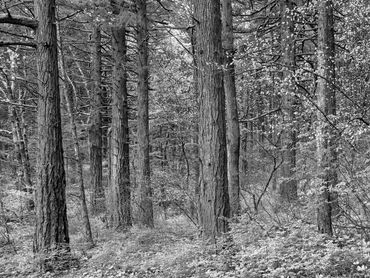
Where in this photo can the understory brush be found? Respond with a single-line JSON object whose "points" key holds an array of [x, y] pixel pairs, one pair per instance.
{"points": [[174, 250], [253, 248], [297, 250]]}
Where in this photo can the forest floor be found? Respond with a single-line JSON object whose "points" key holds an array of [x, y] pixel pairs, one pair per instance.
{"points": [[173, 250]]}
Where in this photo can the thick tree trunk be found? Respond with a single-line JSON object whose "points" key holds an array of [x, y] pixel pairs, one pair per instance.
{"points": [[214, 198], [326, 141], [194, 209], [232, 117], [95, 133], [119, 188], [145, 209], [288, 186], [51, 235]]}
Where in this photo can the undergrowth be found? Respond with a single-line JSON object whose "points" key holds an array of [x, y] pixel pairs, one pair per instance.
{"points": [[173, 249], [258, 245]]}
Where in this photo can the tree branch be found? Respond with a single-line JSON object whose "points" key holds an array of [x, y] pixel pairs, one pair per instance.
{"points": [[9, 43], [260, 116], [19, 20], [274, 169], [8, 132], [161, 4], [18, 104]]}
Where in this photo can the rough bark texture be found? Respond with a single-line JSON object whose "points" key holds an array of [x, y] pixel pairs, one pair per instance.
{"points": [[232, 118], [194, 209], [95, 133], [288, 185], [120, 192], [51, 210], [145, 203], [326, 145], [214, 198]]}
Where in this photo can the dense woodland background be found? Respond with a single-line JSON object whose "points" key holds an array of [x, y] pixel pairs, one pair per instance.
{"points": [[165, 138]]}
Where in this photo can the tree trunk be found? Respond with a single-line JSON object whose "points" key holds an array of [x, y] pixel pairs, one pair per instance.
{"points": [[232, 117], [27, 169], [214, 198], [145, 209], [18, 130], [68, 91], [288, 186], [194, 209], [95, 134], [51, 235], [120, 192], [326, 144], [24, 169]]}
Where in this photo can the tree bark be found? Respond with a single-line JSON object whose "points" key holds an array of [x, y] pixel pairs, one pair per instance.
{"points": [[51, 235], [214, 198], [95, 133], [326, 141], [120, 191], [145, 203], [194, 209], [288, 186], [232, 117]]}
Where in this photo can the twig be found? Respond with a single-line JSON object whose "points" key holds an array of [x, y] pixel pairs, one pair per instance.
{"points": [[256, 204]]}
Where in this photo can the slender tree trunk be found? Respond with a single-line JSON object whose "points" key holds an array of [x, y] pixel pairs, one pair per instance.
{"points": [[27, 170], [95, 134], [51, 234], [108, 195], [288, 187], [21, 148], [20, 151], [232, 117], [145, 203], [326, 144], [18, 132], [214, 198], [247, 142], [120, 191], [79, 67], [67, 91]]}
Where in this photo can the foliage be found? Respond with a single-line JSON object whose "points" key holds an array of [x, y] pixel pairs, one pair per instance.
{"points": [[272, 240], [298, 250], [254, 248]]}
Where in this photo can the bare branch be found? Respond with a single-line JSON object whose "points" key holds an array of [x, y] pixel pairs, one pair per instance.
{"points": [[6, 131], [19, 20], [18, 104], [9, 43], [16, 35], [161, 4], [260, 116], [70, 15], [274, 169]]}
